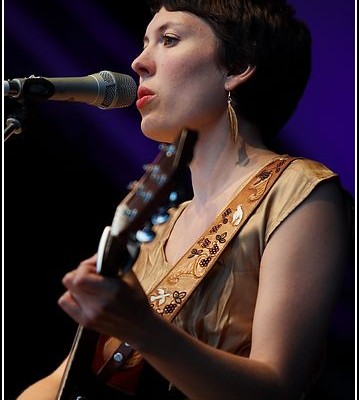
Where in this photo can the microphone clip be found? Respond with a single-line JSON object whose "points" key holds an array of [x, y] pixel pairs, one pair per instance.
{"points": [[33, 88]]}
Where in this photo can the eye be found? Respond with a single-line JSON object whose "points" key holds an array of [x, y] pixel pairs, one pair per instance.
{"points": [[169, 40]]}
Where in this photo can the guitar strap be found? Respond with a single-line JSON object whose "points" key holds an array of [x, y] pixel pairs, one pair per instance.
{"points": [[172, 292]]}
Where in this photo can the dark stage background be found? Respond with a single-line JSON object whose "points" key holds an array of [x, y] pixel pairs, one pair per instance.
{"points": [[69, 168]]}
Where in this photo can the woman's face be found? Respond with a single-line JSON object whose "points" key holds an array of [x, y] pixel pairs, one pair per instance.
{"points": [[181, 81]]}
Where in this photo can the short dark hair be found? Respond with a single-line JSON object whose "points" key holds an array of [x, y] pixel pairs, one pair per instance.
{"points": [[261, 33]]}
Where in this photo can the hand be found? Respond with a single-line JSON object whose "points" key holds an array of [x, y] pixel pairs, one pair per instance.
{"points": [[113, 306]]}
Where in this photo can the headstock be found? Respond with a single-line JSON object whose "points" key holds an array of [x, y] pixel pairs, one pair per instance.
{"points": [[132, 221]]}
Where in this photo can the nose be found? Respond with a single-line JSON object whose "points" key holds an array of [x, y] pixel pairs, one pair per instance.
{"points": [[143, 65]]}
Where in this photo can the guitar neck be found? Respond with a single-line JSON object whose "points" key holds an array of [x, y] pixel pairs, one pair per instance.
{"points": [[164, 175]]}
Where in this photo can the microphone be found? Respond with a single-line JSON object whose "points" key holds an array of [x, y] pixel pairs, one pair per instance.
{"points": [[105, 89]]}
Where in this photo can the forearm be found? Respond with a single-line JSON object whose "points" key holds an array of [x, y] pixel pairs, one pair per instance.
{"points": [[202, 372]]}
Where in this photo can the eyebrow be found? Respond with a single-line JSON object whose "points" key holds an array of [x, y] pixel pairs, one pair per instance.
{"points": [[162, 28]]}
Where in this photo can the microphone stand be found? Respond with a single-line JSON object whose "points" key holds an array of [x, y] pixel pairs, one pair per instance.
{"points": [[15, 122]]}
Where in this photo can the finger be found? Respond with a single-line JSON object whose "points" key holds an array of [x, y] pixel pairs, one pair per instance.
{"points": [[69, 304], [91, 260], [83, 279]]}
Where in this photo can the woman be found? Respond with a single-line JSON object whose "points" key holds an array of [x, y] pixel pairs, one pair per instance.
{"points": [[232, 73]]}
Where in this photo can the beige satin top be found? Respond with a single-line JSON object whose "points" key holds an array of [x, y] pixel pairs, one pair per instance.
{"points": [[220, 311]]}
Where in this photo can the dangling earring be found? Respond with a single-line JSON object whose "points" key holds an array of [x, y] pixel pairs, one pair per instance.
{"points": [[233, 123]]}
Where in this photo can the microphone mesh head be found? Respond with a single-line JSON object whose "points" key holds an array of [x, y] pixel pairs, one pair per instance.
{"points": [[120, 90]]}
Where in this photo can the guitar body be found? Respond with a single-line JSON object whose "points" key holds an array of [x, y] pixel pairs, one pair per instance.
{"points": [[82, 383], [89, 374]]}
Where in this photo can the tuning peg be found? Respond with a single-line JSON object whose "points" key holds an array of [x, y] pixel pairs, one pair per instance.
{"points": [[161, 217], [145, 195], [151, 168], [173, 197], [132, 185], [168, 149], [146, 234]]}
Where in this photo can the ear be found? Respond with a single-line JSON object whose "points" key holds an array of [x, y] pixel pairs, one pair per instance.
{"points": [[232, 81]]}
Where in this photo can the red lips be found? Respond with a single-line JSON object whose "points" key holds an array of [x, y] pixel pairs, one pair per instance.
{"points": [[142, 91], [144, 95]]}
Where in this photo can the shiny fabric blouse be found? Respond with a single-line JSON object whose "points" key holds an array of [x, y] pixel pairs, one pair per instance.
{"points": [[220, 311]]}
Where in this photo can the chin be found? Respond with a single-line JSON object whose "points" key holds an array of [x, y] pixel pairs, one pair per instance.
{"points": [[160, 135]]}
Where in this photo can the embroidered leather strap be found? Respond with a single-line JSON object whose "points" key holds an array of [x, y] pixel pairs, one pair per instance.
{"points": [[174, 290]]}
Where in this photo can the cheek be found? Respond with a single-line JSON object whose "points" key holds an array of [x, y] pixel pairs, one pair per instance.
{"points": [[192, 89], [200, 89], [190, 65], [194, 81]]}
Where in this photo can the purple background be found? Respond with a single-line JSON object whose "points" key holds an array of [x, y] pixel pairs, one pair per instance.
{"points": [[68, 169]]}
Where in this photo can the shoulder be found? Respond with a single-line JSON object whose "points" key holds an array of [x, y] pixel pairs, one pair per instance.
{"points": [[300, 177], [307, 170], [302, 181], [308, 179]]}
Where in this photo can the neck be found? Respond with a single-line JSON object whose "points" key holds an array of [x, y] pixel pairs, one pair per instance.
{"points": [[219, 167]]}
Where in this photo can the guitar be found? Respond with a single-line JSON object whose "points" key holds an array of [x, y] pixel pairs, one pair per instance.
{"points": [[117, 251]]}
